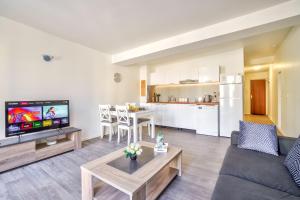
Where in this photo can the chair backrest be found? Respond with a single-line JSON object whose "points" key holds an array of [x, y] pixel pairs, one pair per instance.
{"points": [[105, 114], [122, 115]]}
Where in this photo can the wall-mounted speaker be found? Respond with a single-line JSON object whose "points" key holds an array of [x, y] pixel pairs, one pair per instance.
{"points": [[47, 58]]}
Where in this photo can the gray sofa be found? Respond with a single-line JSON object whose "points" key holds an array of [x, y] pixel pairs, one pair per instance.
{"points": [[251, 175]]}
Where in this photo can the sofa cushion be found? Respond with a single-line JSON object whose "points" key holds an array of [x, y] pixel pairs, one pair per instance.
{"points": [[260, 168], [292, 162], [233, 188], [258, 137]]}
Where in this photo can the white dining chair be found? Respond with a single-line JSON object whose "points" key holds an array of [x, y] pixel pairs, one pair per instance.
{"points": [[124, 122], [106, 120]]}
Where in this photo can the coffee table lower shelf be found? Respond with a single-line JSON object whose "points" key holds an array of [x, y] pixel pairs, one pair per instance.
{"points": [[154, 187]]}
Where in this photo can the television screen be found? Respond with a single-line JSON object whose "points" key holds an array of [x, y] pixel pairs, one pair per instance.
{"points": [[31, 116]]}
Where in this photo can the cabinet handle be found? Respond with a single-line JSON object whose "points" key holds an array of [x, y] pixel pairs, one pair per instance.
{"points": [[200, 108]]}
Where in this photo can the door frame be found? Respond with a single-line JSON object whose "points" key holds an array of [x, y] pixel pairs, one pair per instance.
{"points": [[279, 99]]}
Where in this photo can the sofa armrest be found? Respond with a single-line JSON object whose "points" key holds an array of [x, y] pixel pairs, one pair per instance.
{"points": [[234, 137], [284, 143]]}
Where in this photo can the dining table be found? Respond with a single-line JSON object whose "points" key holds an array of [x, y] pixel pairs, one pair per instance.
{"points": [[135, 115]]}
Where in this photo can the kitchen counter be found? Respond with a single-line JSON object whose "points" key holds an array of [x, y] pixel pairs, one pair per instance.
{"points": [[191, 103]]}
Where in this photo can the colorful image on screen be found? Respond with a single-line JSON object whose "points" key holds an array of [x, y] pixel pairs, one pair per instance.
{"points": [[14, 128], [53, 112], [64, 121], [24, 114], [47, 123], [26, 126]]}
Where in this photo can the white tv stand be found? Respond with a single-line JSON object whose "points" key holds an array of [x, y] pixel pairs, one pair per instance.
{"points": [[20, 150]]}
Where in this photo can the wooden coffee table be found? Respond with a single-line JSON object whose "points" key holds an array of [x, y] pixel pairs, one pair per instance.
{"points": [[121, 178]]}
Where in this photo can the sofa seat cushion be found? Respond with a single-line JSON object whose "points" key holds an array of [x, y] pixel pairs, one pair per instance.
{"points": [[234, 188], [261, 168]]}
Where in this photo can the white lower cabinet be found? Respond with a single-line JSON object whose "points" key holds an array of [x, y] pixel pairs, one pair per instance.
{"points": [[203, 119], [207, 120]]}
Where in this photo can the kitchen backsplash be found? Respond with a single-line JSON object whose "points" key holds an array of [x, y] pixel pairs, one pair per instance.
{"points": [[191, 92]]}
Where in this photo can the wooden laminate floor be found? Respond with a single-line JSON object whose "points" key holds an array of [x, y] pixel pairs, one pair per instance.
{"points": [[260, 119], [58, 178]]}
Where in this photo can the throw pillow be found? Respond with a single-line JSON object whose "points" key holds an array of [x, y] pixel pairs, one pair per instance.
{"points": [[292, 161], [258, 137]]}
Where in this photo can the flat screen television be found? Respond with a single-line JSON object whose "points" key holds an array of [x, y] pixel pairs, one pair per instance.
{"points": [[31, 116]]}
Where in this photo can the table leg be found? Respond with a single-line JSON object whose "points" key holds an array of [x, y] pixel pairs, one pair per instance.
{"points": [[140, 194], [179, 164], [152, 127], [86, 185], [135, 129]]}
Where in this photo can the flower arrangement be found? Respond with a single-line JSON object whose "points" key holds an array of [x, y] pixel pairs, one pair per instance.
{"points": [[133, 150]]}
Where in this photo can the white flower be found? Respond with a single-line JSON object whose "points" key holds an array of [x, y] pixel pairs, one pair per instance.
{"points": [[138, 153]]}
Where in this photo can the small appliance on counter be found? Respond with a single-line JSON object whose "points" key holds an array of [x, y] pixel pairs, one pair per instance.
{"points": [[155, 98], [183, 100], [171, 99], [207, 98], [215, 97], [199, 99]]}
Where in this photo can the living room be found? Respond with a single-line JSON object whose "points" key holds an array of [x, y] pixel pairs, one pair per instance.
{"points": [[183, 78]]}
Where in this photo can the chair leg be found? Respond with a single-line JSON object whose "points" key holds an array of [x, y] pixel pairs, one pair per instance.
{"points": [[149, 129], [115, 130], [119, 132], [101, 132], [141, 132], [129, 137], [110, 133]]}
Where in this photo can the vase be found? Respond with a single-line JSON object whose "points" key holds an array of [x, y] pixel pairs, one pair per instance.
{"points": [[133, 157]]}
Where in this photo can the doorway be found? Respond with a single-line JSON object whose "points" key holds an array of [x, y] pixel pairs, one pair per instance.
{"points": [[258, 97]]}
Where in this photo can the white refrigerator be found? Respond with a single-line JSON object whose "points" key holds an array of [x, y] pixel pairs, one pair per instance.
{"points": [[231, 104]]}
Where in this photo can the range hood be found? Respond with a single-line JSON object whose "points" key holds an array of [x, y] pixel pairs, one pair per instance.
{"points": [[189, 81]]}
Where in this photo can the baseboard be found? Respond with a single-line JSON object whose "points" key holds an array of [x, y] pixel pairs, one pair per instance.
{"points": [[90, 137]]}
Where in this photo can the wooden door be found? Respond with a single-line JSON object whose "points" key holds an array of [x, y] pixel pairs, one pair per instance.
{"points": [[258, 97]]}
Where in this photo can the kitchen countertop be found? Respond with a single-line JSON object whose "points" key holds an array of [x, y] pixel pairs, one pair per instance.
{"points": [[190, 103]]}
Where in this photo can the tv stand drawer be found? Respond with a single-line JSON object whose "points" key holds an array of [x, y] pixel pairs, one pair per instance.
{"points": [[17, 155]]}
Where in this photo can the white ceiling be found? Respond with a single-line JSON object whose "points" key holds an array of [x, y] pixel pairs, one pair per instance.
{"points": [[262, 46], [258, 50], [113, 26]]}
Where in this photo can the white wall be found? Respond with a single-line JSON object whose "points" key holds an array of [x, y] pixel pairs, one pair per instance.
{"points": [[287, 62], [247, 89], [82, 75]]}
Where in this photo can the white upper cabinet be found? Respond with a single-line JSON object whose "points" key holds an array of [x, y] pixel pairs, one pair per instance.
{"points": [[209, 74], [173, 76], [190, 73], [157, 78]]}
